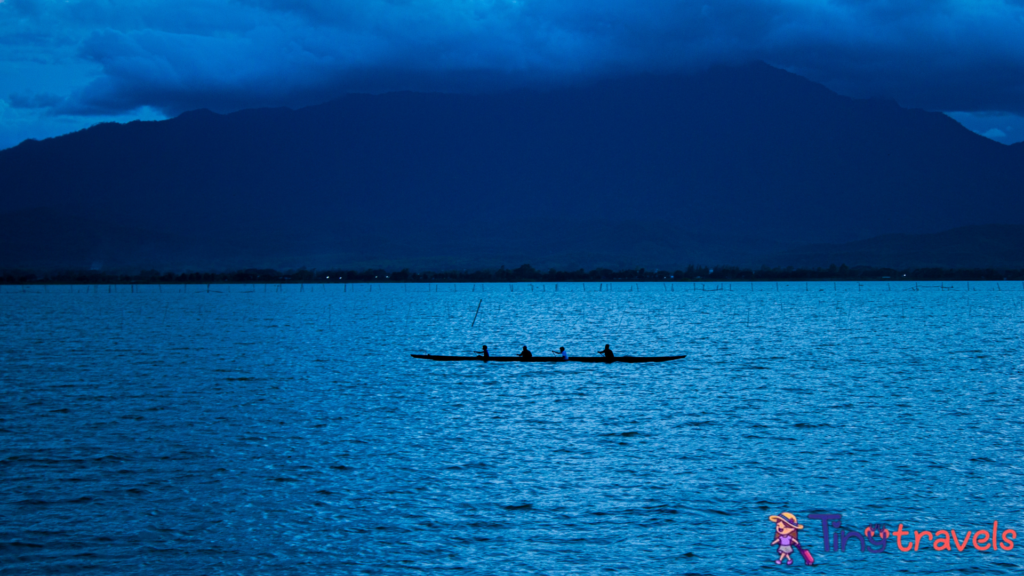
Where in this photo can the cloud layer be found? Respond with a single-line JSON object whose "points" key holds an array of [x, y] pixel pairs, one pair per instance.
{"points": [[225, 55]]}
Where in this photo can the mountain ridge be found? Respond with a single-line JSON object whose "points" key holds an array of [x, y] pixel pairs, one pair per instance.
{"points": [[747, 151]]}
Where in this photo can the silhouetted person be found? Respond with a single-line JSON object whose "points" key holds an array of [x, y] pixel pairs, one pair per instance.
{"points": [[561, 352], [608, 352], [484, 352], [526, 353]]}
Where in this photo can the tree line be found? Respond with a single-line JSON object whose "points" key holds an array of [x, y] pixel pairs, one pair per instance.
{"points": [[524, 273]]}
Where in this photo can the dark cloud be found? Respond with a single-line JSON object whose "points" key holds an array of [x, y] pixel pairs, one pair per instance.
{"points": [[225, 55], [33, 100]]}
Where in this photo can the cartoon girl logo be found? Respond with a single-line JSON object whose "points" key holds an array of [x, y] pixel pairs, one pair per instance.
{"points": [[786, 536]]}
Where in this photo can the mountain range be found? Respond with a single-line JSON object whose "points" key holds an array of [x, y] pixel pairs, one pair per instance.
{"points": [[741, 165]]}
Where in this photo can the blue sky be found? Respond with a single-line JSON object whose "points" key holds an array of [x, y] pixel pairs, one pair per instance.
{"points": [[65, 65]]}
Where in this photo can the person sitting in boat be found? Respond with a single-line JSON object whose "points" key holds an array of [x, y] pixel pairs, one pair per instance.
{"points": [[561, 352], [526, 353], [608, 352], [484, 352]]}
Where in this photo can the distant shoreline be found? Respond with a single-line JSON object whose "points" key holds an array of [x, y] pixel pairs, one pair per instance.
{"points": [[693, 274]]}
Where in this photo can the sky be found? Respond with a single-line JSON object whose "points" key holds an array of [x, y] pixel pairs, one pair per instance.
{"points": [[69, 64]]}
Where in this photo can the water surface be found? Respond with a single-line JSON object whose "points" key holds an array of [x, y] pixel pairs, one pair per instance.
{"points": [[285, 430]]}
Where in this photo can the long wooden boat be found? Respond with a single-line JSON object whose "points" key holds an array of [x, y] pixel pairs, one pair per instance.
{"points": [[590, 359]]}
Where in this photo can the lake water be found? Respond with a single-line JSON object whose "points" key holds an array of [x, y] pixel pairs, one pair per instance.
{"points": [[286, 430]]}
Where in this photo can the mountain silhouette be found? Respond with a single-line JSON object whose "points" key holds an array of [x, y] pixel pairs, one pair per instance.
{"points": [[993, 246], [730, 165]]}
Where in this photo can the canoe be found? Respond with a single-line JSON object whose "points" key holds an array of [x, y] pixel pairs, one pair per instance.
{"points": [[590, 359]]}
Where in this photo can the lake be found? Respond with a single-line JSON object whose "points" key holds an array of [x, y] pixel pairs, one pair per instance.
{"points": [[254, 429]]}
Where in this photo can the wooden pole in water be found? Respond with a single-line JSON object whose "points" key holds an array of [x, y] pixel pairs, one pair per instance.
{"points": [[477, 312]]}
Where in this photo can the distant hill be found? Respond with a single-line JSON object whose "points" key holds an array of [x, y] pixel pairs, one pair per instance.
{"points": [[48, 240], [729, 166], [44, 240], [997, 247]]}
